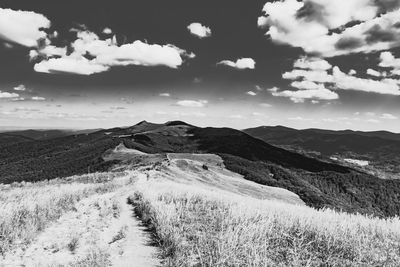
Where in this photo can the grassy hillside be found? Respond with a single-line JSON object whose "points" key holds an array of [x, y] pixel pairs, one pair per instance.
{"points": [[318, 183], [207, 228]]}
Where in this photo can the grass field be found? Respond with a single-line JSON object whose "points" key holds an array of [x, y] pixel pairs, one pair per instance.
{"points": [[210, 228], [27, 208]]}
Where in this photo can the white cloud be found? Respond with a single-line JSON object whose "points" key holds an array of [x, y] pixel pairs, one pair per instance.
{"points": [[329, 29], [38, 98], [22, 27], [71, 65], [307, 85], [388, 116], [312, 64], [311, 79], [165, 94], [20, 87], [242, 63], [309, 75], [251, 93], [273, 89], [106, 54], [199, 30], [375, 73], [352, 72], [192, 103], [107, 30], [348, 82], [301, 95], [8, 95]]}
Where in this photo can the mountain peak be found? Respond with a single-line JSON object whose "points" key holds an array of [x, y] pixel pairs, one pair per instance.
{"points": [[175, 123]]}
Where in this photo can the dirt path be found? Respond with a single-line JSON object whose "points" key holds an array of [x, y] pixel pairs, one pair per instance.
{"points": [[102, 231], [136, 249]]}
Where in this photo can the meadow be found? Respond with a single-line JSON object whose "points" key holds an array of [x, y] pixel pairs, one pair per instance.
{"points": [[28, 208], [196, 227]]}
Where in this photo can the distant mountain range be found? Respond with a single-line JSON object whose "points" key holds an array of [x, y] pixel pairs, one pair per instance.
{"points": [[380, 149], [319, 182]]}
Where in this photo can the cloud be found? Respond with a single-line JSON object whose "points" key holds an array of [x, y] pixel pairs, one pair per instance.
{"points": [[301, 95], [165, 94], [388, 116], [22, 27], [197, 29], [309, 75], [8, 95], [92, 55], [192, 103], [352, 72], [387, 60], [70, 65], [20, 87], [107, 30], [348, 82], [38, 98], [334, 79], [251, 93], [307, 85], [375, 73], [334, 28], [242, 63], [312, 64]]}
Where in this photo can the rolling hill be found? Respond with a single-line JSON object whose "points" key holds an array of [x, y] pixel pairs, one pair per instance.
{"points": [[318, 183], [380, 150]]}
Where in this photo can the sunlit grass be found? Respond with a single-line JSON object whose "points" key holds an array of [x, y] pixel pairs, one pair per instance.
{"points": [[27, 208], [210, 228]]}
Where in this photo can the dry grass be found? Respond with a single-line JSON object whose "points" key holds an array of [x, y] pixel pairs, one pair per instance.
{"points": [[204, 228], [27, 208]]}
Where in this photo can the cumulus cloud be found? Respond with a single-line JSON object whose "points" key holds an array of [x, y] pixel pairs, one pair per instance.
{"points": [[107, 30], [251, 93], [387, 60], [242, 63], [309, 75], [38, 98], [312, 64], [348, 82], [197, 29], [20, 87], [165, 94], [388, 116], [92, 55], [375, 73], [334, 28], [317, 81], [8, 95], [192, 103], [70, 64], [300, 95], [22, 27]]}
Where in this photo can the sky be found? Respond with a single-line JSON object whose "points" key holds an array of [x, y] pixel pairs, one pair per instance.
{"points": [[227, 63]]}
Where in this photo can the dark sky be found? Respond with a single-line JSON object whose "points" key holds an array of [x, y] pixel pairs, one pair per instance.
{"points": [[198, 90]]}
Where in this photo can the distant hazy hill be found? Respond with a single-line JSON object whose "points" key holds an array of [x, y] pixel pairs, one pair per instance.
{"points": [[381, 149], [318, 183]]}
